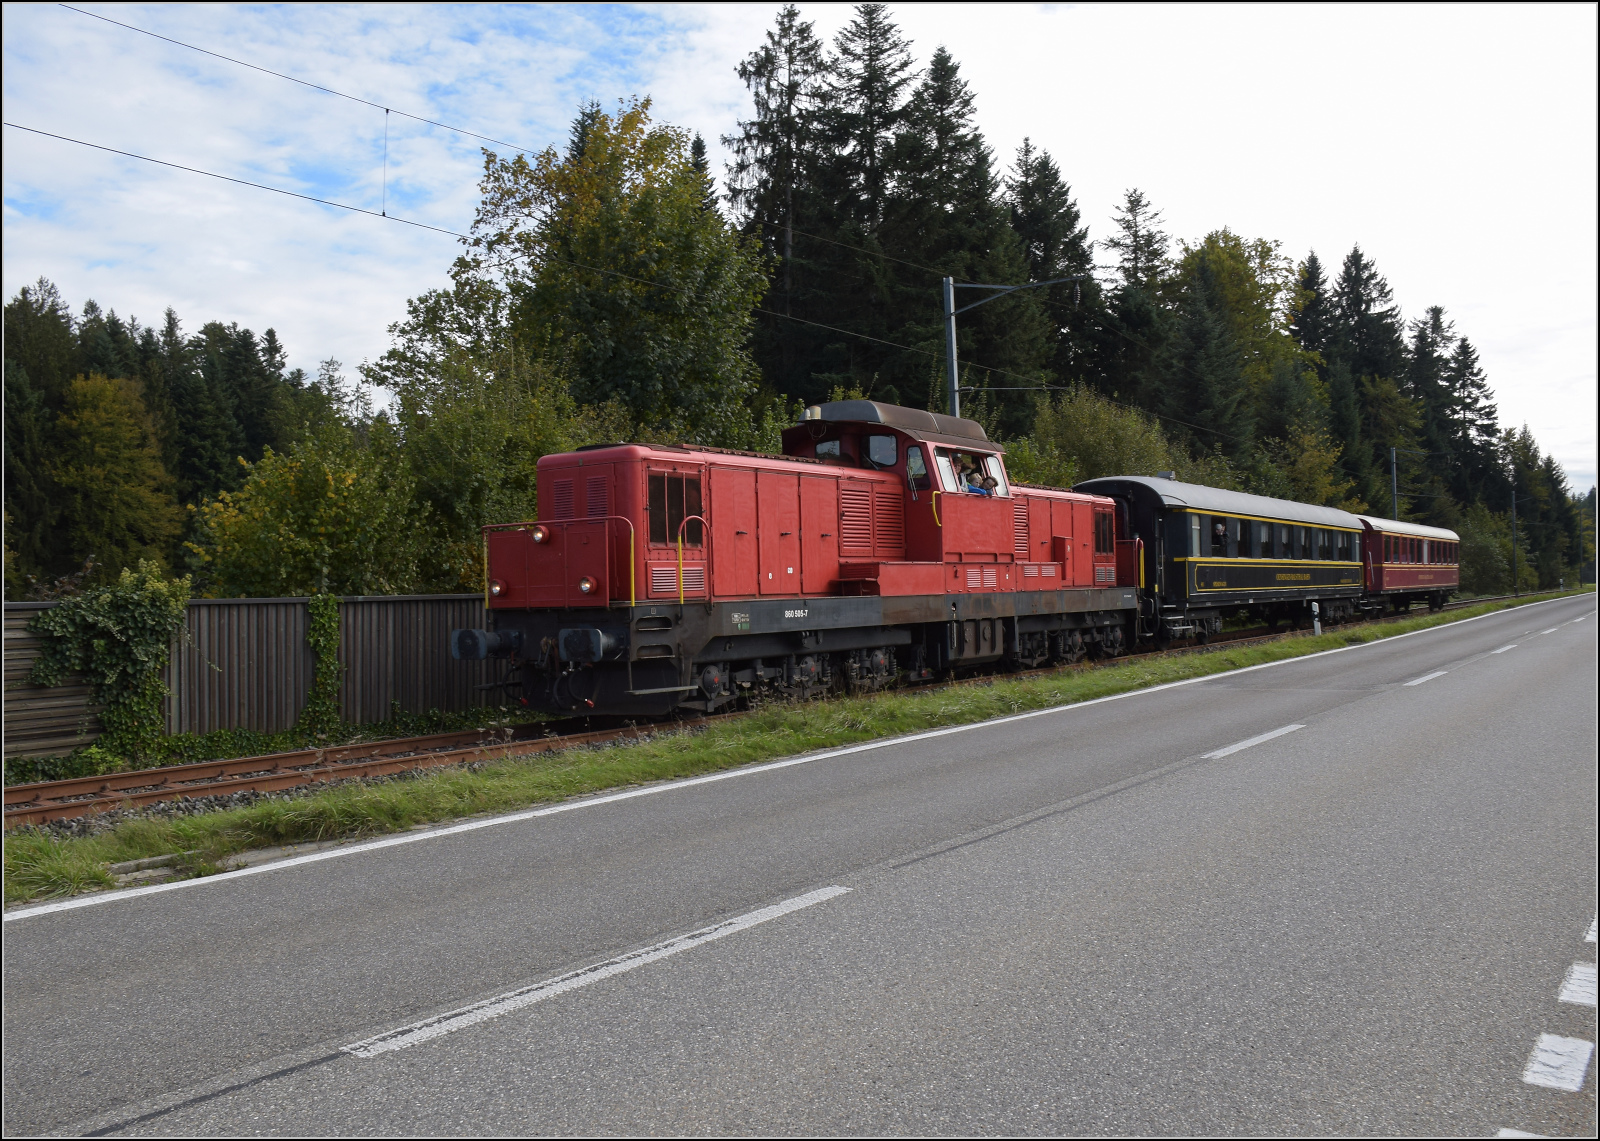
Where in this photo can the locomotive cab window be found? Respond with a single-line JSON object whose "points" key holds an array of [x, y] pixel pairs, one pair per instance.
{"points": [[828, 449], [916, 470], [882, 451], [672, 499]]}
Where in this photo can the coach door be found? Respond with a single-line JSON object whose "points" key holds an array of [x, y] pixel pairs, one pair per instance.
{"points": [[778, 509]]}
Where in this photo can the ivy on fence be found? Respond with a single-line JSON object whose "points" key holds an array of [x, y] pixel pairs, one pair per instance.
{"points": [[119, 638], [322, 715]]}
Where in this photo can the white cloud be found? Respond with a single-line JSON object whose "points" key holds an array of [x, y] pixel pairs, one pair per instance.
{"points": [[1455, 144]]}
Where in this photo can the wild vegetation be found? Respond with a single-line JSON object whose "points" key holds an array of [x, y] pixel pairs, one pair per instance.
{"points": [[610, 291]]}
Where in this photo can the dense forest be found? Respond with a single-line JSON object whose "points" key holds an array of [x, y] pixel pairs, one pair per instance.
{"points": [[610, 290]]}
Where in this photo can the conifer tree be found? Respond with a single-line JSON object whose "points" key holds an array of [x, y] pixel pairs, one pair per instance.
{"points": [[116, 503], [771, 190], [867, 81], [1139, 242], [1057, 245]]}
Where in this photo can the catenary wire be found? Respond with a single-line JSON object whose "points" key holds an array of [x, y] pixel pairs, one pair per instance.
{"points": [[302, 82], [467, 237]]}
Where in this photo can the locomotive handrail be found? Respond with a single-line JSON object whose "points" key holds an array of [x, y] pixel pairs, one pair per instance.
{"points": [[687, 520], [934, 503]]}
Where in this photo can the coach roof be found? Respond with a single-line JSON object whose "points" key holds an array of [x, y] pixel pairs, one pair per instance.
{"points": [[1197, 497], [1396, 527]]}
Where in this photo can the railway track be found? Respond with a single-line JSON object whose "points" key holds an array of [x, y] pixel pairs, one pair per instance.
{"points": [[64, 799]]}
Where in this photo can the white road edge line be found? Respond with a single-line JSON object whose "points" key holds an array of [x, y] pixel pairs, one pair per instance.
{"points": [[442, 1024], [1427, 677], [669, 786], [1558, 1063], [1578, 987], [1248, 743], [1503, 649]]}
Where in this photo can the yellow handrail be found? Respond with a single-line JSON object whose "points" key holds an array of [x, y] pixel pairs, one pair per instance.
{"points": [[681, 526], [934, 503]]}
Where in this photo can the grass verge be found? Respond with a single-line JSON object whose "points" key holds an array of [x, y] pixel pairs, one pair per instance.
{"points": [[40, 866]]}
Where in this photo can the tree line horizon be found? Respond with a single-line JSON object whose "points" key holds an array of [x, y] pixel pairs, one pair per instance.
{"points": [[609, 290]]}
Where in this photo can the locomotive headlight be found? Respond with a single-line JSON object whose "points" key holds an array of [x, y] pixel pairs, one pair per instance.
{"points": [[495, 586], [586, 584], [541, 534]]}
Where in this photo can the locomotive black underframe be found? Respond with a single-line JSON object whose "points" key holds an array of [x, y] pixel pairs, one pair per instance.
{"points": [[660, 654]]}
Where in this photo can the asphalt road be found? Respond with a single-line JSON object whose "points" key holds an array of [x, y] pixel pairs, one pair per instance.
{"points": [[1080, 922]]}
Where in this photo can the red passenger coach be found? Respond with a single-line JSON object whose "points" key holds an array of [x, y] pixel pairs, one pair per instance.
{"points": [[885, 543], [1407, 563]]}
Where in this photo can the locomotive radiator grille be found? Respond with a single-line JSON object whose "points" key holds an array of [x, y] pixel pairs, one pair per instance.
{"points": [[664, 578], [565, 499], [599, 498], [980, 577], [1105, 575], [1019, 527]]}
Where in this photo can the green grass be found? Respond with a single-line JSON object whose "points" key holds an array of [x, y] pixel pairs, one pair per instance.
{"points": [[39, 866]]}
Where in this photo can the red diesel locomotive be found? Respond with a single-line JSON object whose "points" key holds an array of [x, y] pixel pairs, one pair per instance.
{"points": [[885, 543]]}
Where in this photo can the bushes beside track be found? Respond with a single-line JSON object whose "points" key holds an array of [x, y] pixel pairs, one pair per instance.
{"points": [[42, 864]]}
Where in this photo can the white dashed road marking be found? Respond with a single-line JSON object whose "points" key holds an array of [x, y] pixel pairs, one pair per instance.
{"points": [[1589, 938], [1516, 1133], [1427, 677], [451, 1021], [1234, 748], [1503, 649], [1552, 630], [1559, 1063], [1578, 987]]}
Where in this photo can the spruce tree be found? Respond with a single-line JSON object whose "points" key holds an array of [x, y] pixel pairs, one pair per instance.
{"points": [[115, 501], [771, 190], [864, 109], [1310, 323], [1057, 245], [1139, 242]]}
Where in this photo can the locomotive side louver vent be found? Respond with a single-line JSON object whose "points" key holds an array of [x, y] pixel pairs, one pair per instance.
{"points": [[1019, 526], [664, 579], [889, 522], [599, 496], [563, 494], [855, 519]]}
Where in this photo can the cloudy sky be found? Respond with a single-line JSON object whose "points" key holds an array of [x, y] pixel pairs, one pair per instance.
{"points": [[1456, 144]]}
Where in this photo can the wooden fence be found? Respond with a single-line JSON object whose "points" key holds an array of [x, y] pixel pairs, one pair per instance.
{"points": [[245, 665]]}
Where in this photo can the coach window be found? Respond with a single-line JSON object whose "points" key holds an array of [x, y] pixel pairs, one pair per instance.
{"points": [[1325, 545], [1219, 537], [1263, 540], [1196, 535], [882, 451]]}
